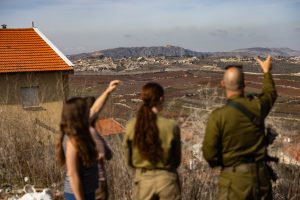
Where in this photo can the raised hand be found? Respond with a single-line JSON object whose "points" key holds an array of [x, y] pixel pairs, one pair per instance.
{"points": [[266, 65], [112, 85], [100, 101]]}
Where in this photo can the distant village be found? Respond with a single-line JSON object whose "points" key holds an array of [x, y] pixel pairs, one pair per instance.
{"points": [[108, 64]]}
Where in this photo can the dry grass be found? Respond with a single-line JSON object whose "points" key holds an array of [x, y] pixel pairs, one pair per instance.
{"points": [[25, 152]]}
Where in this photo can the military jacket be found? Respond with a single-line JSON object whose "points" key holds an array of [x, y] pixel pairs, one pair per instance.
{"points": [[230, 137], [169, 134]]}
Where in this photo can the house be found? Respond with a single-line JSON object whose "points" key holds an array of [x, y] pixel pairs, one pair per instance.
{"points": [[33, 78], [291, 154]]}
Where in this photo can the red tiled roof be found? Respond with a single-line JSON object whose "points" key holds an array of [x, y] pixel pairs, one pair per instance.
{"points": [[27, 50], [109, 127], [293, 151]]}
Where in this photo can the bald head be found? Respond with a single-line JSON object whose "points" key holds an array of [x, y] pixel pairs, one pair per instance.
{"points": [[234, 79]]}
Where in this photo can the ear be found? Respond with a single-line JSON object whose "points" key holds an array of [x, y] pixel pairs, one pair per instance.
{"points": [[222, 83]]}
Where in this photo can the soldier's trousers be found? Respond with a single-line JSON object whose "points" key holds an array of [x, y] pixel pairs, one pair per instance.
{"points": [[156, 184], [241, 183]]}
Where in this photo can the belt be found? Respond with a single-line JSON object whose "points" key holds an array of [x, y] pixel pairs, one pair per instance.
{"points": [[144, 170], [244, 167]]}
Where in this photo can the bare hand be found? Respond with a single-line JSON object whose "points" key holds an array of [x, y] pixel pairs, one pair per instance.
{"points": [[112, 85], [266, 65]]}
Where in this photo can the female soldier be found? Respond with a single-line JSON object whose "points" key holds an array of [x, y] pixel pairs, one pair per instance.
{"points": [[76, 148], [152, 147]]}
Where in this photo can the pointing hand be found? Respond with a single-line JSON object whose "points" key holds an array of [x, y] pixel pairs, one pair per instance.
{"points": [[266, 65]]}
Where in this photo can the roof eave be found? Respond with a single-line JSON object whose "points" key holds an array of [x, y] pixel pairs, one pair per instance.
{"points": [[67, 71], [67, 61]]}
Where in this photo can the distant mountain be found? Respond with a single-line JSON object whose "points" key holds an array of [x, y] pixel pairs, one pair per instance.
{"points": [[266, 51], [126, 52], [174, 51], [255, 51], [151, 51]]}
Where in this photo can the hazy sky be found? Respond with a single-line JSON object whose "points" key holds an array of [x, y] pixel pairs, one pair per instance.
{"points": [[77, 26]]}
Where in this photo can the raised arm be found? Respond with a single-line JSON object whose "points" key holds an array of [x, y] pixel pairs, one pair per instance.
{"points": [[100, 101], [269, 93]]}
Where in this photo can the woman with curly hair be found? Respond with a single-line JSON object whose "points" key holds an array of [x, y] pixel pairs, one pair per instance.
{"points": [[76, 148], [152, 147]]}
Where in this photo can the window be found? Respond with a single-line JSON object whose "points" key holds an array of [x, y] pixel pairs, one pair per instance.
{"points": [[30, 96]]}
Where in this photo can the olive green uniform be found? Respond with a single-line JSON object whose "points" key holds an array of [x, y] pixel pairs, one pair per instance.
{"points": [[157, 180], [232, 140]]}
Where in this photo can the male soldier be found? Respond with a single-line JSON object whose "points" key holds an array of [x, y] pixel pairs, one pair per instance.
{"points": [[236, 142]]}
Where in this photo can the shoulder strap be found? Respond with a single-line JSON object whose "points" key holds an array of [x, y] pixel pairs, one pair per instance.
{"points": [[253, 118]]}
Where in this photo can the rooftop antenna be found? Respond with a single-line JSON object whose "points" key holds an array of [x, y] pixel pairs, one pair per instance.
{"points": [[4, 26], [32, 23]]}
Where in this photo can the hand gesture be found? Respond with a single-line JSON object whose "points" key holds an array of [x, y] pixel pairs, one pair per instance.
{"points": [[112, 85], [266, 65]]}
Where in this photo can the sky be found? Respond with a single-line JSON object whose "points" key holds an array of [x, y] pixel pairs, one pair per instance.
{"points": [[77, 26]]}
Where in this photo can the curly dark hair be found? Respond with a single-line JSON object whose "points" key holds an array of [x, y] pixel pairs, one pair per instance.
{"points": [[75, 125], [146, 135]]}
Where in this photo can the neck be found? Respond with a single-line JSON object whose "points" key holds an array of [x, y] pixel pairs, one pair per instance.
{"points": [[230, 93]]}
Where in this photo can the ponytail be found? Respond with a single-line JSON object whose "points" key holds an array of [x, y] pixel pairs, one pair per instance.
{"points": [[146, 136]]}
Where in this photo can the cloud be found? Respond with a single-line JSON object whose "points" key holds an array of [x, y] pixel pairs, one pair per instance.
{"points": [[206, 25], [219, 33]]}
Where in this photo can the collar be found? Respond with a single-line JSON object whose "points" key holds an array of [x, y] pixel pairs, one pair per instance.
{"points": [[236, 97]]}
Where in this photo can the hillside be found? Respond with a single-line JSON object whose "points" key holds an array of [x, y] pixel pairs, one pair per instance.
{"points": [[126, 52], [272, 51], [174, 51]]}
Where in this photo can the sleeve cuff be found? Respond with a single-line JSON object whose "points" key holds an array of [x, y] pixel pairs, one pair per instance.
{"points": [[268, 75]]}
